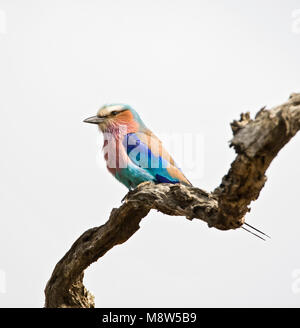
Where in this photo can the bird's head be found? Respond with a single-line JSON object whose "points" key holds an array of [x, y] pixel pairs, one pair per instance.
{"points": [[115, 116]]}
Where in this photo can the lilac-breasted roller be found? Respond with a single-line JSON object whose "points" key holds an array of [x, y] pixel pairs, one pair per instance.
{"points": [[132, 152]]}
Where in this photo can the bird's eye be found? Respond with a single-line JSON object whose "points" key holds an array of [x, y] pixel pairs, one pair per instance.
{"points": [[114, 112]]}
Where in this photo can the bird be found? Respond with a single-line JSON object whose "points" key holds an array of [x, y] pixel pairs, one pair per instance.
{"points": [[134, 154]]}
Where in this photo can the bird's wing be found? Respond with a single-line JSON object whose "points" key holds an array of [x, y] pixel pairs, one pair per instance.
{"points": [[146, 151]]}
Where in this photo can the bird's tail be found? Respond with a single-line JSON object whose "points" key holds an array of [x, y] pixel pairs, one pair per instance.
{"points": [[253, 233]]}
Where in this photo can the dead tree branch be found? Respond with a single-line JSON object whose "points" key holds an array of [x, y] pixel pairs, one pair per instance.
{"points": [[256, 141]]}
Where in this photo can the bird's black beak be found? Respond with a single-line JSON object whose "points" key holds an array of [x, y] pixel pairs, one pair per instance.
{"points": [[94, 120]]}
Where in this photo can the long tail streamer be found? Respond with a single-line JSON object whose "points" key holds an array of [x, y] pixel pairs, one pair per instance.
{"points": [[255, 230]]}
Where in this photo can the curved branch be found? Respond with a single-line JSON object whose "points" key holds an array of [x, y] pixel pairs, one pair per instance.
{"points": [[256, 142]]}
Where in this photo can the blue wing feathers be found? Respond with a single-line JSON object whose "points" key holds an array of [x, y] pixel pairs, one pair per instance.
{"points": [[142, 156]]}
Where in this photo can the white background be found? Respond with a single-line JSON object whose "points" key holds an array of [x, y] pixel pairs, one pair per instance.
{"points": [[186, 67]]}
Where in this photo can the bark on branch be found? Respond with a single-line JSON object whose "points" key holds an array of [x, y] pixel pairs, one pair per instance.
{"points": [[256, 141]]}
